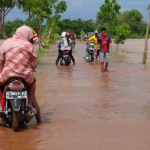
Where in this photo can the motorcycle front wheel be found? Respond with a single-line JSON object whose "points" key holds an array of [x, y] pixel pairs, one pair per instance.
{"points": [[15, 121]]}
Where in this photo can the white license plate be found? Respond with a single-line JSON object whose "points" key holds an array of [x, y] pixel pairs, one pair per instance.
{"points": [[65, 56], [16, 95]]}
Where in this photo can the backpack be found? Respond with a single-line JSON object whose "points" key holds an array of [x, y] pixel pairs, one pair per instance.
{"points": [[65, 44]]}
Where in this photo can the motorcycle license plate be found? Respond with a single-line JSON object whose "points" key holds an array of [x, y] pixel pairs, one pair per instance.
{"points": [[65, 56], [16, 94]]}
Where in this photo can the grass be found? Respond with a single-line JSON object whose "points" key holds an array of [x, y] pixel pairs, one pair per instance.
{"points": [[118, 56], [40, 54], [126, 51], [44, 51]]}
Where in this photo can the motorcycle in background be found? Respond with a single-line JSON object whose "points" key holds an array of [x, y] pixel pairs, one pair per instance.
{"points": [[66, 60], [90, 52]]}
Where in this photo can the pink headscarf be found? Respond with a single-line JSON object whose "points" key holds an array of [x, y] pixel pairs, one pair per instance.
{"points": [[22, 37]]}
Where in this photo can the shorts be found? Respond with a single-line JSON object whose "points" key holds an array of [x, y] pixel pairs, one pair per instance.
{"points": [[104, 57]]}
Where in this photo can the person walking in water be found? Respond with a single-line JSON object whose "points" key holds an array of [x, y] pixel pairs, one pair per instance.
{"points": [[105, 45]]}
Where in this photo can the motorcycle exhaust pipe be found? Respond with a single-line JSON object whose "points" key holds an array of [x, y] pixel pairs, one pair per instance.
{"points": [[31, 112], [29, 115]]}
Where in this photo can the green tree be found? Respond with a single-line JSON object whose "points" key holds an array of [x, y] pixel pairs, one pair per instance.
{"points": [[90, 25], [52, 20], [134, 19], [45, 10], [82, 33], [122, 31], [65, 25], [27, 6], [108, 13], [76, 26], [10, 27], [80, 26], [5, 7]]}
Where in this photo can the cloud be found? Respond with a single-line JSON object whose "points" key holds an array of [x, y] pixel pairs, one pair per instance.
{"points": [[87, 9], [16, 13], [140, 5]]}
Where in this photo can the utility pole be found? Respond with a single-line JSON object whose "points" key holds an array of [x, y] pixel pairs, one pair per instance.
{"points": [[146, 38]]}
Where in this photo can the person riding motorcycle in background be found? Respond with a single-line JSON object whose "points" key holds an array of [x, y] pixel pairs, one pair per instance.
{"points": [[65, 44], [18, 59], [60, 52], [70, 42], [94, 40]]}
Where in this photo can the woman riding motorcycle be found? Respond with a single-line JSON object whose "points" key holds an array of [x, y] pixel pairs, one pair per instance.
{"points": [[18, 59]]}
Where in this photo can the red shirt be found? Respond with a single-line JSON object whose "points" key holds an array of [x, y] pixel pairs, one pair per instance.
{"points": [[104, 40]]}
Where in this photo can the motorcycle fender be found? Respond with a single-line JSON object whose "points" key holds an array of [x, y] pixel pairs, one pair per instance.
{"points": [[67, 59], [16, 104]]}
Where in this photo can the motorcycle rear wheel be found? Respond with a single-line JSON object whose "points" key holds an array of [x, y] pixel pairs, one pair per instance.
{"points": [[92, 58], [15, 122], [67, 63]]}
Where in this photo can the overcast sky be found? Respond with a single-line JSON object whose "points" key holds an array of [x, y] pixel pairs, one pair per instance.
{"points": [[87, 9]]}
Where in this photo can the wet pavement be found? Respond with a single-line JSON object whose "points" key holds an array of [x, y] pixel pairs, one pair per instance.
{"points": [[84, 109]]}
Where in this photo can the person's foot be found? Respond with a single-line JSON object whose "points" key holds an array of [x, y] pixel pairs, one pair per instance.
{"points": [[57, 61], [61, 63], [73, 60], [39, 122], [106, 70]]}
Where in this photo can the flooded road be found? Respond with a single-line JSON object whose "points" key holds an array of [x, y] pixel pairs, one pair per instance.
{"points": [[84, 109]]}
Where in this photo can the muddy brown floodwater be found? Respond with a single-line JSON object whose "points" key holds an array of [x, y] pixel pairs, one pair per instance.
{"points": [[83, 109]]}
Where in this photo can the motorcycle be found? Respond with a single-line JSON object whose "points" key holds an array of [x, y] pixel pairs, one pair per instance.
{"points": [[66, 60], [14, 99], [90, 52], [65, 53]]}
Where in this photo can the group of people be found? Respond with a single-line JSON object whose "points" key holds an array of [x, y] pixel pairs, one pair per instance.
{"points": [[67, 42], [18, 57], [102, 47]]}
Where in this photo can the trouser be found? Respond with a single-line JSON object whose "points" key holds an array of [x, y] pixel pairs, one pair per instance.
{"points": [[70, 54], [74, 42], [60, 53]]}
